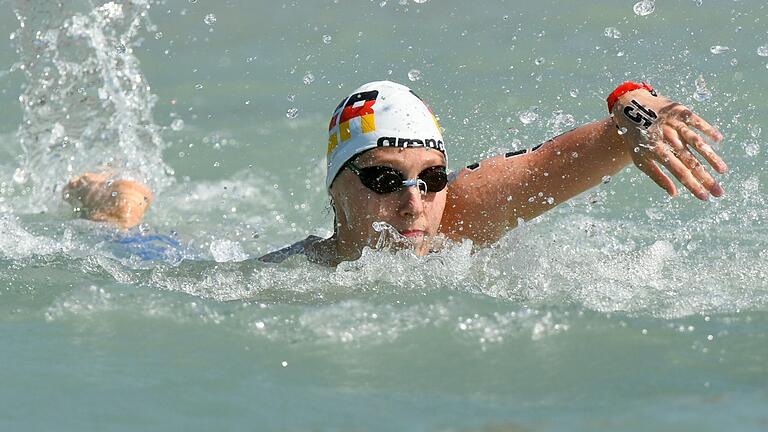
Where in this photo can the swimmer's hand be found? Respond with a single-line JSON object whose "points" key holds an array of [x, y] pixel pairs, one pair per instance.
{"points": [[96, 197], [657, 131]]}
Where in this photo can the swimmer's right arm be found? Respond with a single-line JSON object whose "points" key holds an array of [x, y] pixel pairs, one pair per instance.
{"points": [[120, 202]]}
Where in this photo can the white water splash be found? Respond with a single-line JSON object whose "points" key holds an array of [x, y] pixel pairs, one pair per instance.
{"points": [[702, 93], [227, 251], [17, 243], [86, 104]]}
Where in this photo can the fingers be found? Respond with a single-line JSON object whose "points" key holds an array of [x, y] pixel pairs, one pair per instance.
{"points": [[708, 130], [676, 131], [694, 140], [701, 174], [693, 120], [654, 172], [677, 168], [691, 162]]}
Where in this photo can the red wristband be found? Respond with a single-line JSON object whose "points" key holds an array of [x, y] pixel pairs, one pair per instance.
{"points": [[624, 89]]}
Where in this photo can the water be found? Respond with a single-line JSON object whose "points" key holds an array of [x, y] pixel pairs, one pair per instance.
{"points": [[621, 309]]}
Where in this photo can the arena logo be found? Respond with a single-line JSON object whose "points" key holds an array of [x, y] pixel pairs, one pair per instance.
{"points": [[411, 142]]}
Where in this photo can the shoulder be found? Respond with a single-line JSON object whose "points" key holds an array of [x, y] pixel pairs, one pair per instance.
{"points": [[298, 248]]}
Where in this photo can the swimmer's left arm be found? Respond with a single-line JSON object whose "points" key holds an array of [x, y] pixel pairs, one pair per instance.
{"points": [[488, 198]]}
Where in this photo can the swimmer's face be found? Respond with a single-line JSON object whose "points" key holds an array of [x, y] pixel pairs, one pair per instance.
{"points": [[415, 215]]}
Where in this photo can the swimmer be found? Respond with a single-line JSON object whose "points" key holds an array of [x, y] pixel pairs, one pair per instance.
{"points": [[386, 162], [101, 197]]}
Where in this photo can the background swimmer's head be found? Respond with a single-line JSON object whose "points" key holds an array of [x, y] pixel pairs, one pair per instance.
{"points": [[383, 124]]}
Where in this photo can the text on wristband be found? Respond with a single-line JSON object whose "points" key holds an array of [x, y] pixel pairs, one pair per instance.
{"points": [[637, 113]]}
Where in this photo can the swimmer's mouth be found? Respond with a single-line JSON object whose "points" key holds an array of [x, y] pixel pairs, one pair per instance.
{"points": [[413, 233]]}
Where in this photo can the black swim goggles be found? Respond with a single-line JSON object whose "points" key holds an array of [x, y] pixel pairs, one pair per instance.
{"points": [[383, 179]]}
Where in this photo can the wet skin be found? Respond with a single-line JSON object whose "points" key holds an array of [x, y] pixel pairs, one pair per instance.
{"points": [[413, 214]]}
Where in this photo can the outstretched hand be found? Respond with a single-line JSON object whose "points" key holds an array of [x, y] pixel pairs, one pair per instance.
{"points": [[658, 131]]}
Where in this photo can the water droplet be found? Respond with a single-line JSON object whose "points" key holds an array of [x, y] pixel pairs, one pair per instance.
{"points": [[606, 179], [177, 125], [20, 176], [414, 74], [701, 94], [193, 1], [644, 7], [622, 130], [698, 2], [113, 194], [562, 121], [752, 149], [144, 228], [327, 39], [292, 113], [762, 51], [210, 19], [718, 49], [734, 62], [383, 3], [291, 97], [308, 78], [550, 200], [539, 61], [612, 32], [159, 35], [531, 199], [754, 130], [636, 149], [574, 92], [420, 1], [198, 86], [284, 364], [529, 116], [121, 49]]}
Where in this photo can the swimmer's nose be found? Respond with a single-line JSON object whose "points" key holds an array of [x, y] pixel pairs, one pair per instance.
{"points": [[412, 204]]}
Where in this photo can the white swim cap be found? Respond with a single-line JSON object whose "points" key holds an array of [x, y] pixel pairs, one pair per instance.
{"points": [[379, 114]]}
